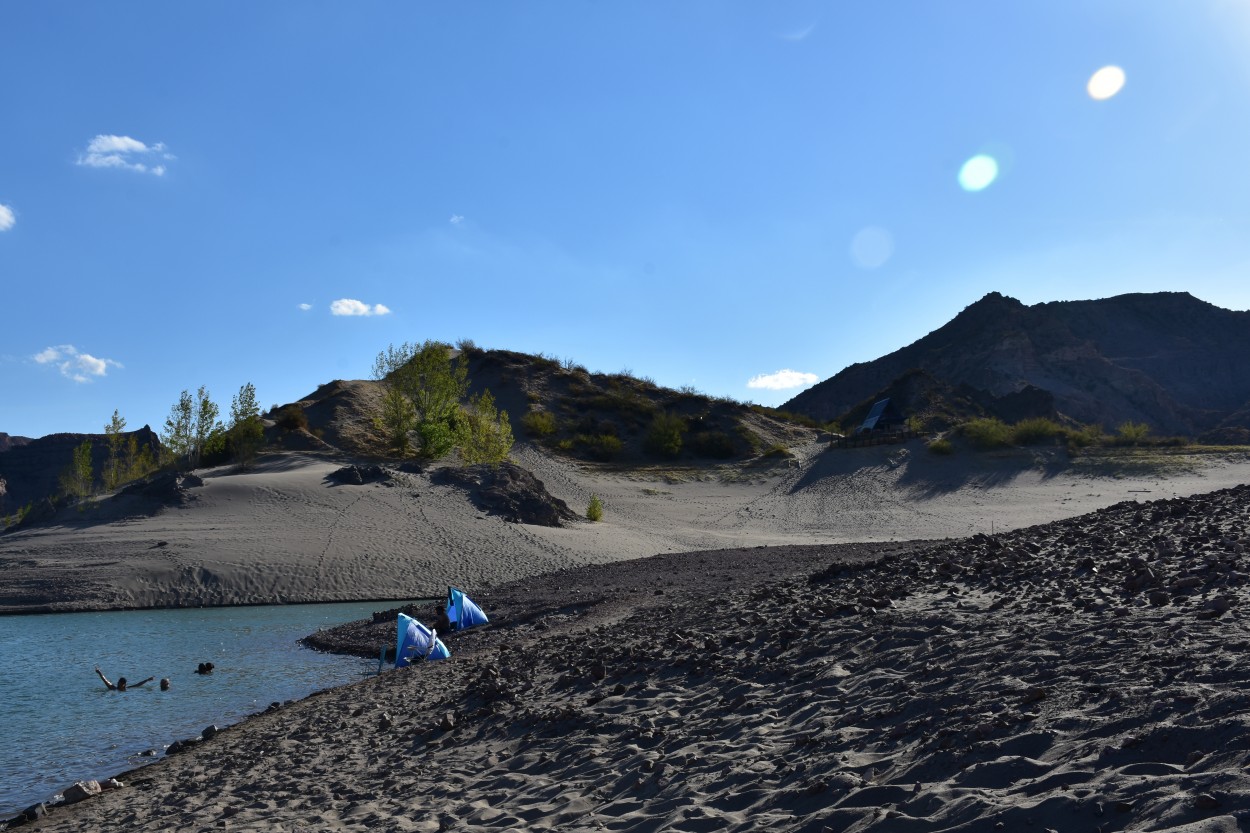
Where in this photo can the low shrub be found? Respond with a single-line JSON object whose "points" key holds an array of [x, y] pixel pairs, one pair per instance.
{"points": [[623, 404], [779, 451], [715, 444], [986, 433], [1085, 436], [749, 437], [594, 512], [664, 436], [691, 391], [1132, 433], [601, 447], [292, 418], [539, 423], [1036, 430], [787, 416], [941, 446]]}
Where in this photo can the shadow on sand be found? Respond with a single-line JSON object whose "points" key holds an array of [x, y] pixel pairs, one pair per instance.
{"points": [[924, 475]]}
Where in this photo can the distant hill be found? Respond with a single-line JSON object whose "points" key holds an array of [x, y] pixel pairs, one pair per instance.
{"points": [[32, 470], [7, 441], [1167, 359]]}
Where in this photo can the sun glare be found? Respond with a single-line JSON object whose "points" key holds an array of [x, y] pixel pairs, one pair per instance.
{"points": [[978, 172], [871, 247], [1105, 83]]}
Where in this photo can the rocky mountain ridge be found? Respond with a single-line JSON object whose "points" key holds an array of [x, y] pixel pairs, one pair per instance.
{"points": [[1167, 359]]}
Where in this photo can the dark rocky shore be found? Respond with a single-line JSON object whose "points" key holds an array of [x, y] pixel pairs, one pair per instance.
{"points": [[1087, 674]]}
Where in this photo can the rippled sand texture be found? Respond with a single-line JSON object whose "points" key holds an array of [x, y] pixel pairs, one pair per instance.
{"points": [[1087, 674]]}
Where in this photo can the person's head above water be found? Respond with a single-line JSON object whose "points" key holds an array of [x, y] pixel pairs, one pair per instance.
{"points": [[164, 684], [121, 683]]}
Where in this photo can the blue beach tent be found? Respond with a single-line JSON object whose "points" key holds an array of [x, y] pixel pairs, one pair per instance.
{"points": [[417, 643], [462, 612]]}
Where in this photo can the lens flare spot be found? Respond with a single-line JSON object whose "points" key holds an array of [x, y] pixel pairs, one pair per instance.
{"points": [[978, 172], [871, 247], [1105, 83]]}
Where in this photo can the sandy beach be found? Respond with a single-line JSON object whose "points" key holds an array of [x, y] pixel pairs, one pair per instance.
{"points": [[837, 644]]}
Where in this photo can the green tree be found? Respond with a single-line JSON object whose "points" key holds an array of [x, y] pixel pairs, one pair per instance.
{"points": [[246, 432], [398, 419], [115, 468], [206, 430], [77, 477], [139, 461], [488, 432], [435, 385], [176, 438], [192, 427]]}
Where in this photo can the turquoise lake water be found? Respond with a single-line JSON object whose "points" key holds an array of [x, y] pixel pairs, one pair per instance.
{"points": [[59, 724]]}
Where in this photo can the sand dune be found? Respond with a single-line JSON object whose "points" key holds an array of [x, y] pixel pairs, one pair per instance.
{"points": [[285, 532]]}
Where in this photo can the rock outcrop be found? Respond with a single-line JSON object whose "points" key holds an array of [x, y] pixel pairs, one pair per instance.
{"points": [[8, 441]]}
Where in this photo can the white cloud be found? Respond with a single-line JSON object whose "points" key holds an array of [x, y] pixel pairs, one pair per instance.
{"points": [[350, 306], [116, 144], [456, 219], [74, 364], [109, 151], [51, 354], [305, 307], [783, 379], [7, 217]]}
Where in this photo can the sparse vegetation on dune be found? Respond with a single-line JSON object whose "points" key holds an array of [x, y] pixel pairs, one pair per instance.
{"points": [[625, 417], [991, 433], [539, 423]]}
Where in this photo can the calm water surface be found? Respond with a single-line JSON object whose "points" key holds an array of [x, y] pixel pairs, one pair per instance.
{"points": [[59, 724]]}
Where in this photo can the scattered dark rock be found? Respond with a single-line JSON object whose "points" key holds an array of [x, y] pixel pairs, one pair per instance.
{"points": [[181, 746], [32, 813], [169, 489], [509, 491], [359, 475]]}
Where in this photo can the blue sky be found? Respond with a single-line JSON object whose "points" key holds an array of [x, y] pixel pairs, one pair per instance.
{"points": [[703, 193]]}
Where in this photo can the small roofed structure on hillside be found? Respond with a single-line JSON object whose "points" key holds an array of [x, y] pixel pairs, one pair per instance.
{"points": [[882, 417]]}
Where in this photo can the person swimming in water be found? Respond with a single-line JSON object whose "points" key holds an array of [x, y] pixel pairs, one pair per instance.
{"points": [[121, 684]]}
